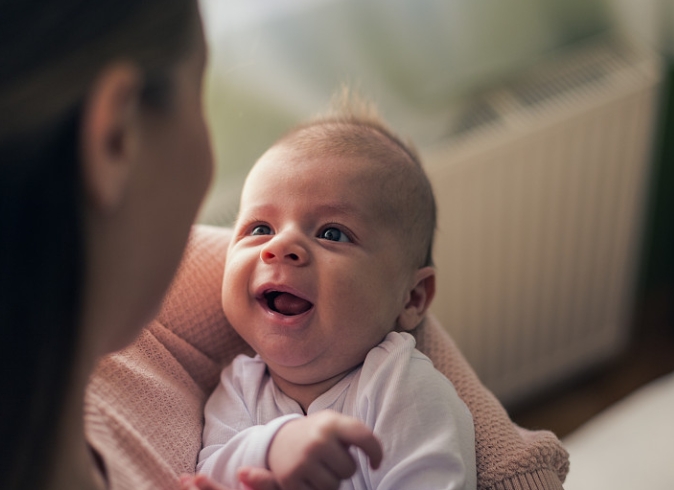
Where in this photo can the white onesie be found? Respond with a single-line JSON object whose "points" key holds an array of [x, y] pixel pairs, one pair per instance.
{"points": [[425, 429]]}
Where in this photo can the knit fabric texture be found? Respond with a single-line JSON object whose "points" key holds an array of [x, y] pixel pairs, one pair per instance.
{"points": [[144, 405]]}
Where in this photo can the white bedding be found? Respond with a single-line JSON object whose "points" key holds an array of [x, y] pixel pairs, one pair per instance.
{"points": [[629, 446]]}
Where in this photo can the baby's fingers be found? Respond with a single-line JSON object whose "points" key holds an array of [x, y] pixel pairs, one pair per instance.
{"points": [[199, 482], [187, 482], [352, 432], [257, 478], [337, 458]]}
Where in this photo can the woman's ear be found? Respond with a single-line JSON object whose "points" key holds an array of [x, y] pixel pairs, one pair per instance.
{"points": [[418, 299], [110, 134]]}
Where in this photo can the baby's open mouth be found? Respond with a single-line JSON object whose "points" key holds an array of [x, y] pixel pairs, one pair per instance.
{"points": [[286, 303]]}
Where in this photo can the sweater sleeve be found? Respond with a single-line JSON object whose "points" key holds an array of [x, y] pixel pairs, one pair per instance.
{"points": [[234, 437], [425, 428]]}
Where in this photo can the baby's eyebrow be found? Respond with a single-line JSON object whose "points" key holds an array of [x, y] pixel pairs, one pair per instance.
{"points": [[255, 211], [344, 208]]}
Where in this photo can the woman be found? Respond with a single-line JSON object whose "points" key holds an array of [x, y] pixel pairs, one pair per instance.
{"points": [[104, 160]]}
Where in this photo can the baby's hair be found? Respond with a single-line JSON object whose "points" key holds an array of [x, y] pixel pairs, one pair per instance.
{"points": [[353, 128]]}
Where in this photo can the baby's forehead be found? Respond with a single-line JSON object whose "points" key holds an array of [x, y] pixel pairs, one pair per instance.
{"points": [[363, 155], [353, 183]]}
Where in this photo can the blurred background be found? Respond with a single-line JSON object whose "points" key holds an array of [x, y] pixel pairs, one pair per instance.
{"points": [[547, 128]]}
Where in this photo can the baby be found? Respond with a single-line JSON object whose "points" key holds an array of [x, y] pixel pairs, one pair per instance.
{"points": [[328, 270]]}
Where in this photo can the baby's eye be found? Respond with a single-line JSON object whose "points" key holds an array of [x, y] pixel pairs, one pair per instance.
{"points": [[334, 234], [261, 230]]}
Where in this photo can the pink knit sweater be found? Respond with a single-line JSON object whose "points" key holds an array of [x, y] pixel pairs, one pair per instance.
{"points": [[144, 404]]}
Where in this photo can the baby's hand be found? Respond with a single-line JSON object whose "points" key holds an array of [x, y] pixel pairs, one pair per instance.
{"points": [[199, 482], [313, 451], [252, 478]]}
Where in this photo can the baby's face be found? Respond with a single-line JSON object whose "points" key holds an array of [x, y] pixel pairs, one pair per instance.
{"points": [[314, 277]]}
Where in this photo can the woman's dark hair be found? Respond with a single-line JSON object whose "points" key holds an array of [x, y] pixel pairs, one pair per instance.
{"points": [[50, 53]]}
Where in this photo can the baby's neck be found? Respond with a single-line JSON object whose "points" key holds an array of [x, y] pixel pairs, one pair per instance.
{"points": [[305, 394]]}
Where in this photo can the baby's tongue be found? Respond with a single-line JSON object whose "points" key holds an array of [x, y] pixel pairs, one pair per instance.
{"points": [[289, 304]]}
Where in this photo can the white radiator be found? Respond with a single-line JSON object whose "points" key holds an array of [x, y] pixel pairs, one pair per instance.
{"points": [[541, 188]]}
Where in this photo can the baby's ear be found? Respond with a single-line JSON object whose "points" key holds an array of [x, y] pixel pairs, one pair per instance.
{"points": [[418, 299]]}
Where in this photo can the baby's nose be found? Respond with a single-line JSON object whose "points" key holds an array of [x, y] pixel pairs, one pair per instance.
{"points": [[268, 255], [285, 249]]}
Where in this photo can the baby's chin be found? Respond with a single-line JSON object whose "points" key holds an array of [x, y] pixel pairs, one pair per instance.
{"points": [[302, 367], [293, 363]]}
